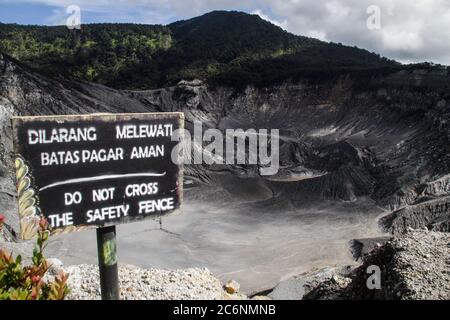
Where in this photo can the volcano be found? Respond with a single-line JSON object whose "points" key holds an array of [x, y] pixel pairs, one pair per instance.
{"points": [[364, 140]]}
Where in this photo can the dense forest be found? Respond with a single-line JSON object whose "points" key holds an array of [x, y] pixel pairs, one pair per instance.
{"points": [[230, 48]]}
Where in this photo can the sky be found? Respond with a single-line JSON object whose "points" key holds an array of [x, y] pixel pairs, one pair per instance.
{"points": [[405, 30]]}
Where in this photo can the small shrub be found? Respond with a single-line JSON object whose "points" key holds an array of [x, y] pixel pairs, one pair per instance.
{"points": [[18, 282]]}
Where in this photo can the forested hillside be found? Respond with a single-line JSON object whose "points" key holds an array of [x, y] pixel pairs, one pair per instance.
{"points": [[230, 48]]}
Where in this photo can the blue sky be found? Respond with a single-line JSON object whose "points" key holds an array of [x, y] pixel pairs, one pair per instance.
{"points": [[409, 31], [52, 12], [24, 14], [45, 14]]}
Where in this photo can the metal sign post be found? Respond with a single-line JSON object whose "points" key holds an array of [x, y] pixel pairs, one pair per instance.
{"points": [[107, 263]]}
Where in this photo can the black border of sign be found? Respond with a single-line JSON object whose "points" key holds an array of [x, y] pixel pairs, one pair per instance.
{"points": [[18, 120]]}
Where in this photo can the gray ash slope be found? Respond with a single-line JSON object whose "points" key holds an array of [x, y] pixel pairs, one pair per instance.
{"points": [[359, 142], [387, 139]]}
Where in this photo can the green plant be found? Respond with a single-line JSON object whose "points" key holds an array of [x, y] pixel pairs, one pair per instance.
{"points": [[18, 282]]}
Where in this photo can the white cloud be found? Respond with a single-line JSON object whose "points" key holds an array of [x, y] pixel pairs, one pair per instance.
{"points": [[403, 40], [410, 30], [321, 35], [281, 24]]}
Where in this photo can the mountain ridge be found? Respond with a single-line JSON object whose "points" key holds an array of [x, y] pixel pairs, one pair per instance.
{"points": [[220, 47]]}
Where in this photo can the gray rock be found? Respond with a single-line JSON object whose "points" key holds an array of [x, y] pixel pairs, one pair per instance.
{"points": [[362, 247], [291, 289], [55, 266], [297, 287]]}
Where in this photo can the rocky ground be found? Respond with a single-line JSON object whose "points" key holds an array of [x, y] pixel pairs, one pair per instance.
{"points": [[415, 266], [422, 266], [147, 284], [150, 284]]}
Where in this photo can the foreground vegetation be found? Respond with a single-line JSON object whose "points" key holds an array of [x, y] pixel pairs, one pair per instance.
{"points": [[19, 282]]}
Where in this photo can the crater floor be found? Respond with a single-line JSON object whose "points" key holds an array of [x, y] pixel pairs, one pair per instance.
{"points": [[257, 243]]}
